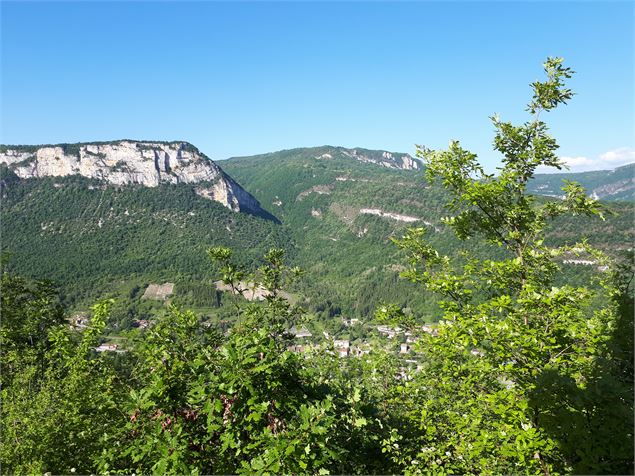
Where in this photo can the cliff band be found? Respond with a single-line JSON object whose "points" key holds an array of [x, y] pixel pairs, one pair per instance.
{"points": [[132, 162]]}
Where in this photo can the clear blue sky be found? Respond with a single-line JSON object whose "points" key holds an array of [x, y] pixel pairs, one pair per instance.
{"points": [[244, 78]]}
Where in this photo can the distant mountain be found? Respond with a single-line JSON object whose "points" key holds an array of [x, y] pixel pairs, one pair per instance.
{"points": [[127, 162], [100, 224], [342, 213], [617, 184], [383, 158]]}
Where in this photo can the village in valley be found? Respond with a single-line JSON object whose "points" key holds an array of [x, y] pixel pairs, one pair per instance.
{"points": [[354, 337]]}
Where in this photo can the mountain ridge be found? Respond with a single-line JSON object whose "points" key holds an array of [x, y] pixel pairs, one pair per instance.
{"points": [[127, 162], [24, 161], [380, 157], [614, 184], [337, 217]]}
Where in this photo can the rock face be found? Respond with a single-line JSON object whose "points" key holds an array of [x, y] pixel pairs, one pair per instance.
{"points": [[132, 162], [383, 158]]}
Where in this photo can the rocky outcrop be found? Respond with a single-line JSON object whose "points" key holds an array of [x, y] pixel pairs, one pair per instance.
{"points": [[230, 194], [394, 216], [619, 187], [383, 158], [132, 162]]}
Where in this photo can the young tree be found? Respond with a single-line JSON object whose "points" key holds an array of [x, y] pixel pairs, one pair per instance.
{"points": [[59, 399], [513, 378]]}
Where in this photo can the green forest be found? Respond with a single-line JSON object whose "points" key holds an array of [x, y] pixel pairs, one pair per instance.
{"points": [[507, 355]]}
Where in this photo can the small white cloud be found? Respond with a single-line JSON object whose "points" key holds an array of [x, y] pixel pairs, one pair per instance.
{"points": [[608, 160], [620, 156], [573, 162]]}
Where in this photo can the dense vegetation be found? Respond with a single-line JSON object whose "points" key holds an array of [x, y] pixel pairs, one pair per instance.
{"points": [[103, 241], [95, 239], [346, 253], [525, 375]]}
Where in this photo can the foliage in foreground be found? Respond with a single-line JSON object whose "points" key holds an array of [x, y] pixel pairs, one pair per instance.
{"points": [[185, 398], [527, 379], [525, 376]]}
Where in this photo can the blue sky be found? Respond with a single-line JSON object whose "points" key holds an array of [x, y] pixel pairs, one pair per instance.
{"points": [[251, 77]]}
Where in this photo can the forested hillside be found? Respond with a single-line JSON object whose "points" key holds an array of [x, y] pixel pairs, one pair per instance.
{"points": [[90, 238], [342, 214], [338, 210]]}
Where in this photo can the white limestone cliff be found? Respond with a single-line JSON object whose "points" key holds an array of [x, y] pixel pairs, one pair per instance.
{"points": [[132, 162], [387, 159]]}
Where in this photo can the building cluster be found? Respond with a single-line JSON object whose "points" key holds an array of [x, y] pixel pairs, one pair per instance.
{"points": [[79, 321], [388, 331], [343, 347], [107, 348], [141, 323]]}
